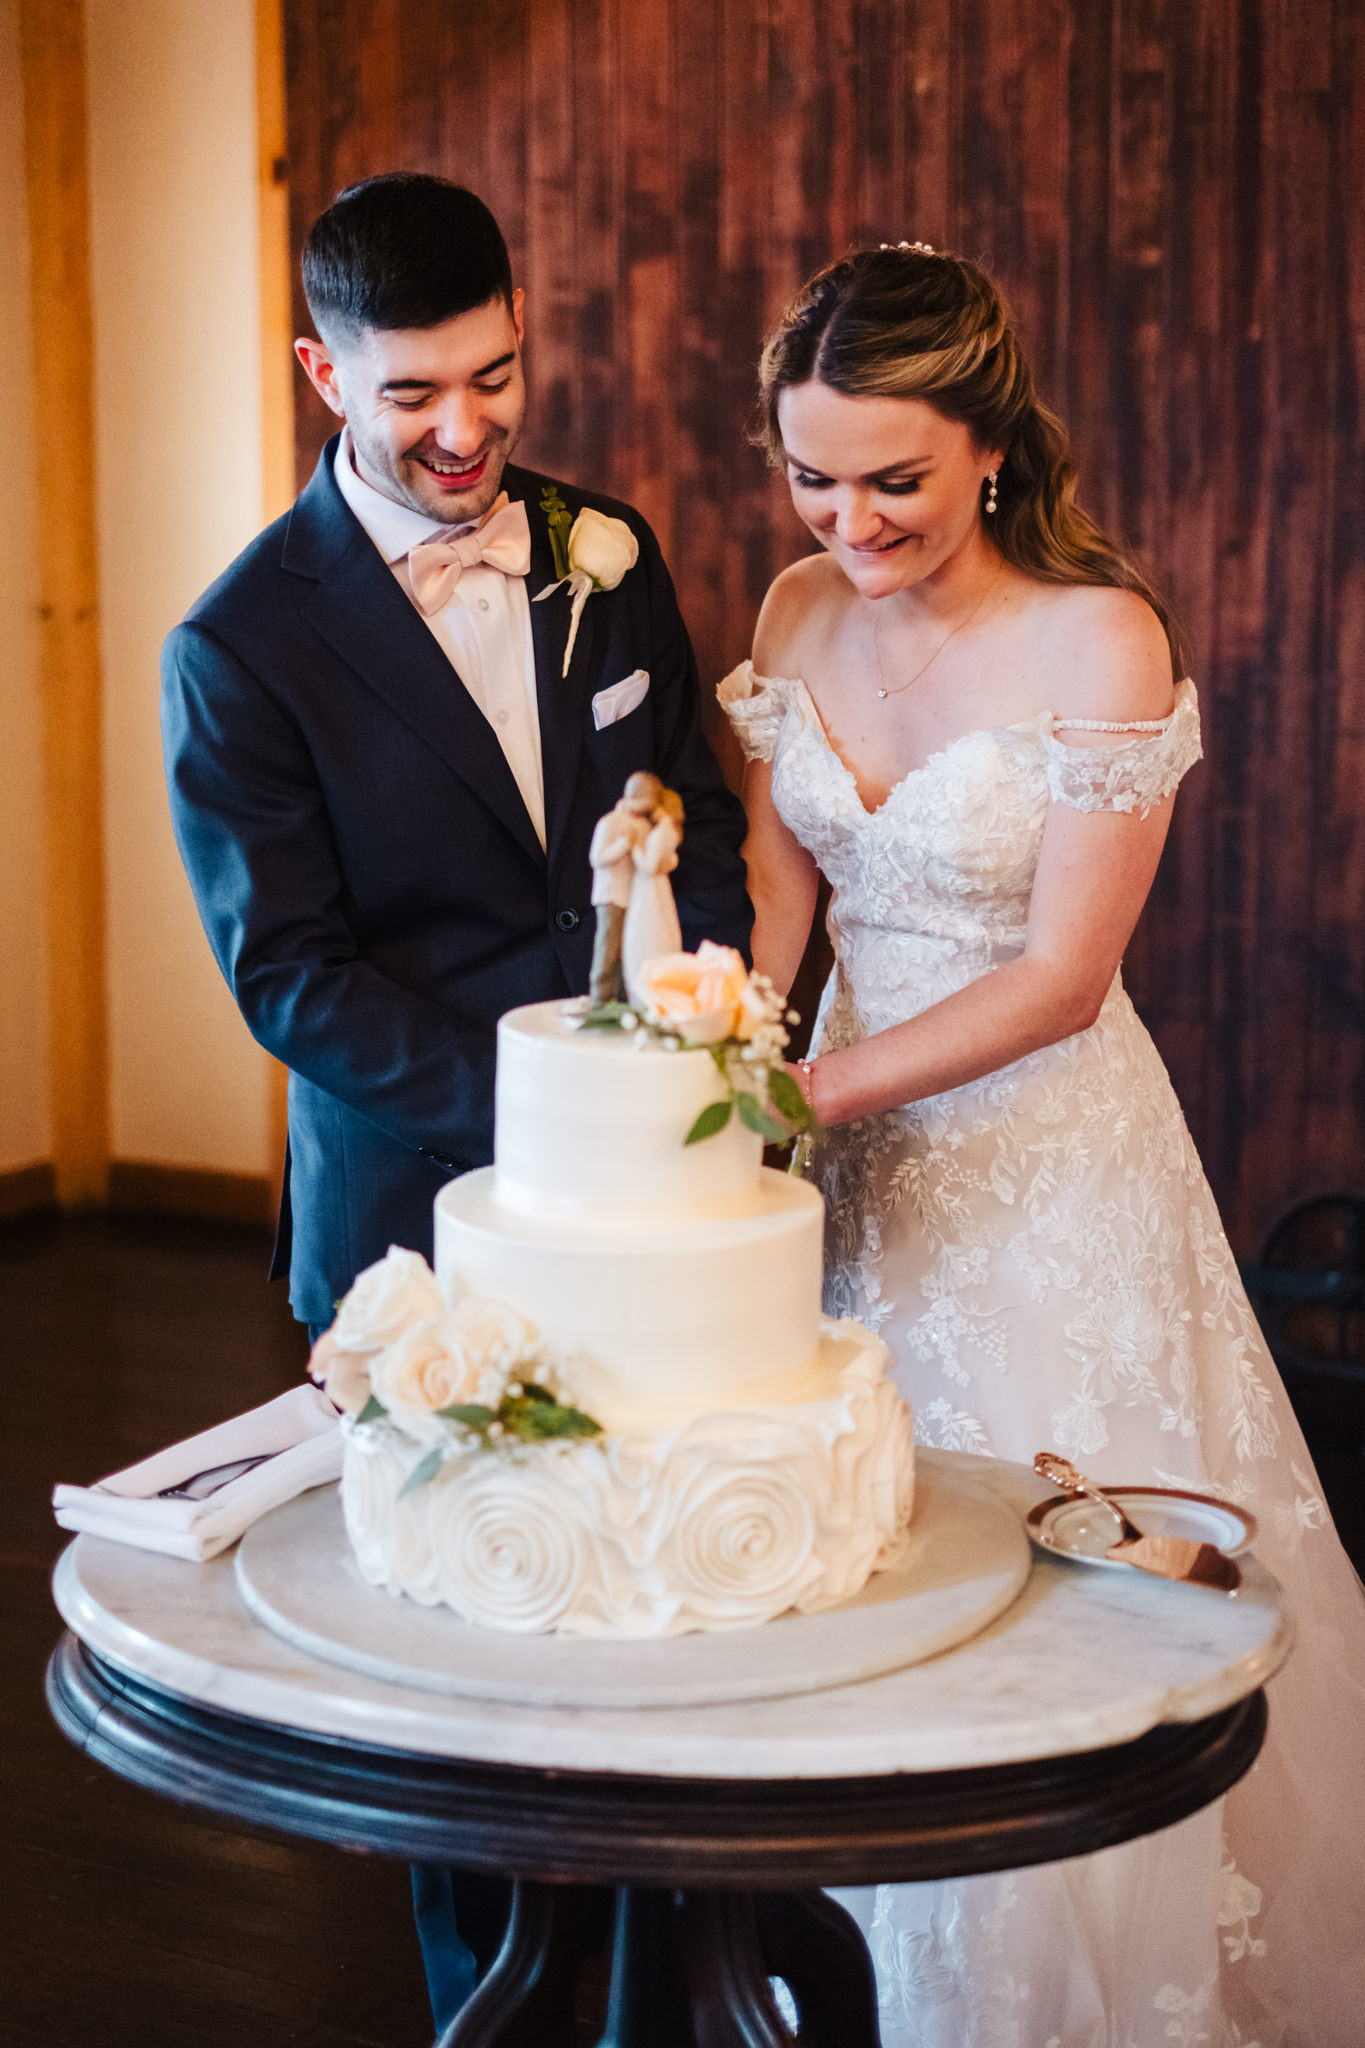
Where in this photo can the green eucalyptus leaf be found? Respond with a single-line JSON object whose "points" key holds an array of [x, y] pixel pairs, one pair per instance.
{"points": [[373, 1411], [603, 1017], [472, 1414], [787, 1099], [573, 1422], [713, 1118], [531, 1392], [755, 1118], [536, 1421], [424, 1470], [559, 520]]}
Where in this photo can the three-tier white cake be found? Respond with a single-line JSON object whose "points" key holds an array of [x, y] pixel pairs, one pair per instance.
{"points": [[755, 1457]]}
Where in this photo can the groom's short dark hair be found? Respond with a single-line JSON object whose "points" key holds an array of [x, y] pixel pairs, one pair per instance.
{"points": [[401, 250]]}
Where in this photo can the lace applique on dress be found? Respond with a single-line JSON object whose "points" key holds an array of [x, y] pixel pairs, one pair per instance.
{"points": [[1126, 778], [758, 706]]}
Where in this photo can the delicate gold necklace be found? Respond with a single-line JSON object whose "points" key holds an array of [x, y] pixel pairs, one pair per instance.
{"points": [[877, 641]]}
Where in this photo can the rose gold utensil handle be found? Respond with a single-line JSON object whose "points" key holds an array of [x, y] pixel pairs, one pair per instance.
{"points": [[1050, 1465]]}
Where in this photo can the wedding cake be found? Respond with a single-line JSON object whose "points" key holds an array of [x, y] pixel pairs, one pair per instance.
{"points": [[615, 1408]]}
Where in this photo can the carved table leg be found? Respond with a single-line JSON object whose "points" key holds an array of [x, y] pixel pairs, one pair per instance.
{"points": [[688, 1970], [527, 1998], [731, 1998], [648, 2004], [818, 1951]]}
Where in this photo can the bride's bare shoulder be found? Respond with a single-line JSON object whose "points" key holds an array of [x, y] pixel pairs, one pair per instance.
{"points": [[797, 614], [1105, 651]]}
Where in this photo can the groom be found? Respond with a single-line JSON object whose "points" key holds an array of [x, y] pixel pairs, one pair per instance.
{"points": [[385, 761], [383, 782]]}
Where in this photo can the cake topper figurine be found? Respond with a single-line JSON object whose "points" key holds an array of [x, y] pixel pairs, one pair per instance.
{"points": [[634, 850]]}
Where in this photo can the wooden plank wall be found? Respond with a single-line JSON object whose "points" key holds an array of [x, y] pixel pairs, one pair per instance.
{"points": [[1166, 188]]}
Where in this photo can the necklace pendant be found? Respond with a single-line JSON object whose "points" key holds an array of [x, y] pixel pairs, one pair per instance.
{"points": [[881, 693]]}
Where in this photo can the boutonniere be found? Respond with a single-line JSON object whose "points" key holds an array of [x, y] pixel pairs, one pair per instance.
{"points": [[592, 552]]}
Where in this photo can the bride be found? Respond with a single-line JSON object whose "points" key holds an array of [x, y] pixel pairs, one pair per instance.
{"points": [[967, 710]]}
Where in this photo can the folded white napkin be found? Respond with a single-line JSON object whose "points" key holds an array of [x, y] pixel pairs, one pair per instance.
{"points": [[289, 1444]]}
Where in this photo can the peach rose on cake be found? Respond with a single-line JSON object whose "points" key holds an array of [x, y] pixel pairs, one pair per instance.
{"points": [[344, 1376], [450, 1360], [703, 996]]}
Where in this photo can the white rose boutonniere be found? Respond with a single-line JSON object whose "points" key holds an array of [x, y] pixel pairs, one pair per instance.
{"points": [[592, 552]]}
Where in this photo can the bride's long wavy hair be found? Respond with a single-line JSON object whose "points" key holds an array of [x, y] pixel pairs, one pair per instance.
{"points": [[914, 323]]}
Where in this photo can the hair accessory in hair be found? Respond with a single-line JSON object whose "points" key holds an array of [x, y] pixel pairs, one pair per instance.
{"points": [[924, 248]]}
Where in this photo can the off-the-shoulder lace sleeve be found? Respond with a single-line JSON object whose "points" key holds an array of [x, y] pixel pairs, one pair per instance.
{"points": [[756, 707], [1131, 777]]}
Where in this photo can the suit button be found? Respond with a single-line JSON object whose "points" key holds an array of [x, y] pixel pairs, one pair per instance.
{"points": [[567, 920]]}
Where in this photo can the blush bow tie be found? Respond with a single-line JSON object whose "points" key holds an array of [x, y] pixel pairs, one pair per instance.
{"points": [[503, 542]]}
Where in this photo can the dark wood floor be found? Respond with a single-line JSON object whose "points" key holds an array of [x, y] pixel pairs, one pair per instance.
{"points": [[126, 1922]]}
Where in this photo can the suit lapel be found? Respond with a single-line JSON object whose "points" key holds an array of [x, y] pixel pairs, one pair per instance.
{"points": [[561, 700], [361, 611]]}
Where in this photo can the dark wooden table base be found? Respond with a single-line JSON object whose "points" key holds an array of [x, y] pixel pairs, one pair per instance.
{"points": [[705, 1888], [688, 1970]]}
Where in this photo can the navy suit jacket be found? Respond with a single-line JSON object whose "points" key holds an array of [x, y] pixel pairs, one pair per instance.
{"points": [[366, 870]]}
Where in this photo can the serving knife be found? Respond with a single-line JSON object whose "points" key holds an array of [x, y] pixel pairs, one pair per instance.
{"points": [[1165, 1557]]}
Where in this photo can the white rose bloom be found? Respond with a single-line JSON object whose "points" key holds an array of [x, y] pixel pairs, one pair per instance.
{"points": [[398, 1289], [422, 1371], [492, 1337], [602, 547]]}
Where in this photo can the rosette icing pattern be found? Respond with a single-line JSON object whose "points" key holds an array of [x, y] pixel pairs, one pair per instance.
{"points": [[724, 1522], [510, 1550], [744, 1529]]}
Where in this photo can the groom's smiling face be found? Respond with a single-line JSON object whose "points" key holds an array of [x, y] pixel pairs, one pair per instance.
{"points": [[434, 412]]}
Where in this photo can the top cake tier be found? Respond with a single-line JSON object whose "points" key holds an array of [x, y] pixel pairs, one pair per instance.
{"points": [[590, 1128]]}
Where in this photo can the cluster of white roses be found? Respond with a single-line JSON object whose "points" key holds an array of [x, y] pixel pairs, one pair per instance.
{"points": [[395, 1346]]}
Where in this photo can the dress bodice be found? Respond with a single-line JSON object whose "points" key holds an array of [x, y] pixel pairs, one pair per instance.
{"points": [[942, 871]]}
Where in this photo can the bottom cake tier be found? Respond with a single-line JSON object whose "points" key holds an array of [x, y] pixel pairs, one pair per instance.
{"points": [[723, 1522]]}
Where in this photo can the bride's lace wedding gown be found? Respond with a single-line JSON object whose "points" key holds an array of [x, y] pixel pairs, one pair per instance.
{"points": [[1042, 1253]]}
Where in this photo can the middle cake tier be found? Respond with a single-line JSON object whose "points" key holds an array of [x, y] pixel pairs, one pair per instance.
{"points": [[657, 1324]]}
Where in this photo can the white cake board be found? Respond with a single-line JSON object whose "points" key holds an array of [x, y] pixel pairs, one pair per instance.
{"points": [[966, 1560]]}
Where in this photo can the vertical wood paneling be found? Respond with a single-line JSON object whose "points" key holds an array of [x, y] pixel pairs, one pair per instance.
{"points": [[1339, 977], [549, 258], [1164, 188], [277, 383], [52, 44]]}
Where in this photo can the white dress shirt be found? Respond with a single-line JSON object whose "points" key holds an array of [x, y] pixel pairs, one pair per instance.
{"points": [[484, 628]]}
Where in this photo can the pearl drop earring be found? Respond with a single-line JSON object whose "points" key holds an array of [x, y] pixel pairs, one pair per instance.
{"points": [[991, 501]]}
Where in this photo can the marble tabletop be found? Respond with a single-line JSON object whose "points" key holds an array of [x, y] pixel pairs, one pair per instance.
{"points": [[1084, 1658]]}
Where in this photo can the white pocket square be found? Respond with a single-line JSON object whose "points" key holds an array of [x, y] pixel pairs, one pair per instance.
{"points": [[613, 703]]}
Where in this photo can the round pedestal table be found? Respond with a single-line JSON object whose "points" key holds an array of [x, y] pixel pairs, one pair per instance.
{"points": [[1101, 1705]]}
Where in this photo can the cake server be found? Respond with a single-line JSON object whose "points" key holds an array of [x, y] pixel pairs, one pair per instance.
{"points": [[1166, 1557]]}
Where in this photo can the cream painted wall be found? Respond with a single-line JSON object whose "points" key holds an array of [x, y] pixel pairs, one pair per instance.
{"points": [[25, 1124], [172, 99]]}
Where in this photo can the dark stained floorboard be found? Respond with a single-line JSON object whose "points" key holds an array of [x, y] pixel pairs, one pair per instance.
{"points": [[129, 1923]]}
